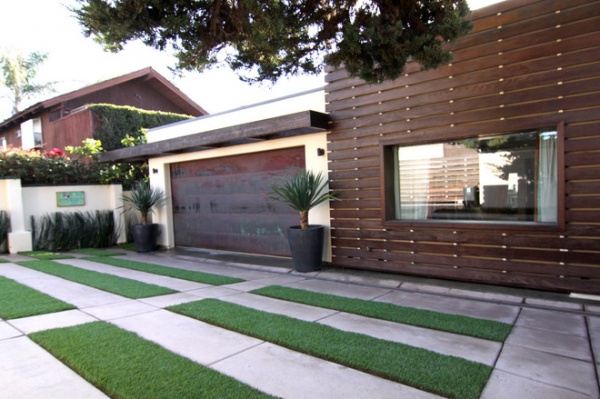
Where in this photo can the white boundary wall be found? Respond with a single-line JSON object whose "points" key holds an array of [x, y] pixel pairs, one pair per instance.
{"points": [[23, 202]]}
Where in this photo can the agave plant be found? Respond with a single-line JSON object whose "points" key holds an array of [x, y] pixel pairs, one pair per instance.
{"points": [[144, 199], [303, 192]]}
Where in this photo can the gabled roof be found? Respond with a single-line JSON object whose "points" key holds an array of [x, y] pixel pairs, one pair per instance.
{"points": [[153, 78]]}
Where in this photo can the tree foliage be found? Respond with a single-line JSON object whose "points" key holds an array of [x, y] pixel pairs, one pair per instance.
{"points": [[267, 39], [18, 74]]}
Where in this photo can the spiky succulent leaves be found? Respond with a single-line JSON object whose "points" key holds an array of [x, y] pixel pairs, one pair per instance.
{"points": [[303, 192], [144, 199]]}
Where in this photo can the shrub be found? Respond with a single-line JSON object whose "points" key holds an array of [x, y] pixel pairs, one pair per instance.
{"points": [[4, 226], [34, 167], [65, 231]]}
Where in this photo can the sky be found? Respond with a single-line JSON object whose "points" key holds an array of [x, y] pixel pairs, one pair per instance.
{"points": [[75, 61]]}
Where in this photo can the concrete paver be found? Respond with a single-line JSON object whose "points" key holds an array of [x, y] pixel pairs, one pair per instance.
{"points": [[567, 323], [198, 341], [288, 374], [573, 346], [465, 307], [119, 310], [503, 385], [27, 371], [67, 318], [8, 331], [148, 278], [271, 305], [74, 293], [570, 374], [474, 349], [340, 289]]}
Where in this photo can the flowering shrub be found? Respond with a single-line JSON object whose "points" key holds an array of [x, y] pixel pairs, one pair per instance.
{"points": [[56, 152], [55, 167]]}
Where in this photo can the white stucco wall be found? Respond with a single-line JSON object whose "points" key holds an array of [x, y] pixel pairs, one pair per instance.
{"points": [[23, 202], [313, 100], [314, 162]]}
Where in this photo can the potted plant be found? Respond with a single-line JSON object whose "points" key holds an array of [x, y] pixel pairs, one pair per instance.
{"points": [[303, 192], [144, 199]]}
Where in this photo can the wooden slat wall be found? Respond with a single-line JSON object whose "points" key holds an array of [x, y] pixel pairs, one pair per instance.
{"points": [[526, 64]]}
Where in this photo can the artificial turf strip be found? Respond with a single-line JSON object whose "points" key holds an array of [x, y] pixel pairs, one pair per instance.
{"points": [[190, 275], [425, 370], [125, 366], [18, 300], [2, 260], [97, 252], [45, 255], [117, 285], [457, 324]]}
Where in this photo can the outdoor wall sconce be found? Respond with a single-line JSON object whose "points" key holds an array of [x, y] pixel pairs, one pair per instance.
{"points": [[320, 152], [154, 170]]}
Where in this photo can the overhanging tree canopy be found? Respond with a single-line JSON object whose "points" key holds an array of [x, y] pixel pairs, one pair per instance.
{"points": [[266, 39]]}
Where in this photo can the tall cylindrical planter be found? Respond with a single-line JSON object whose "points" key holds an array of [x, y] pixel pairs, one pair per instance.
{"points": [[306, 246], [145, 236]]}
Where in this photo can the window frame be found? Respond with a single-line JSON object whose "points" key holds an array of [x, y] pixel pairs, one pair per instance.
{"points": [[387, 166]]}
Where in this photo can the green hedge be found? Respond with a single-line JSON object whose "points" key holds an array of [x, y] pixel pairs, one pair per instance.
{"points": [[118, 121], [34, 167]]}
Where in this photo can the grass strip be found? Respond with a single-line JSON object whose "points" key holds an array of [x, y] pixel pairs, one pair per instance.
{"points": [[97, 252], [457, 324], [190, 275], [45, 255], [18, 300], [126, 366], [425, 370], [117, 285], [2, 260]]}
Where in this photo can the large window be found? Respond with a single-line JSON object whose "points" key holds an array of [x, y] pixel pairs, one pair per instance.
{"points": [[511, 178]]}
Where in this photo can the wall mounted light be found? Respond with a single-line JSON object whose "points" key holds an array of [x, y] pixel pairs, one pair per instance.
{"points": [[154, 170], [320, 152]]}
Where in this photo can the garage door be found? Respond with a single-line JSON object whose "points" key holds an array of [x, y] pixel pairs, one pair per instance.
{"points": [[222, 203]]}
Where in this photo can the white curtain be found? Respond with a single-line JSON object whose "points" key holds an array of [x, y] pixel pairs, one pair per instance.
{"points": [[547, 179], [412, 187]]}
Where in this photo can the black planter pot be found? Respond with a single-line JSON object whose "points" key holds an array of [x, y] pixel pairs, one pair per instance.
{"points": [[306, 247], [145, 236]]}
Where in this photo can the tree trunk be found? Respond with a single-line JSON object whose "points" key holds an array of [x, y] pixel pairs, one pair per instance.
{"points": [[304, 220]]}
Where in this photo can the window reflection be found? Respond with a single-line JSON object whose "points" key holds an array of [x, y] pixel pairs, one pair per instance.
{"points": [[511, 177]]}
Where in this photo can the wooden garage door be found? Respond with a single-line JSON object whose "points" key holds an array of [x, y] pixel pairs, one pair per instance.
{"points": [[222, 203]]}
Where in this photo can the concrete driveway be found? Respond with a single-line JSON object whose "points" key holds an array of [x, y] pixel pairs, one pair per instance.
{"points": [[552, 352]]}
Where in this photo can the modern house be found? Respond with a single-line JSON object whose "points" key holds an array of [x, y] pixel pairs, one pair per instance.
{"points": [[66, 121], [483, 170]]}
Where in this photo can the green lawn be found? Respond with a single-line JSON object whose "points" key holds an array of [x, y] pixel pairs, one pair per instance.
{"points": [[125, 366], [18, 300], [480, 328], [117, 285], [198, 277], [425, 370]]}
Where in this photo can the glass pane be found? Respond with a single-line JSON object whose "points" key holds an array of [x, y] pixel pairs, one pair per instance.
{"points": [[510, 178]]}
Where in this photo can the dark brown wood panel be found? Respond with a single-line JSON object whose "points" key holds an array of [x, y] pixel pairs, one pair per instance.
{"points": [[526, 64]]}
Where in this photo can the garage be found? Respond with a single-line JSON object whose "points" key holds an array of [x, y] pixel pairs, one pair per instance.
{"points": [[222, 203]]}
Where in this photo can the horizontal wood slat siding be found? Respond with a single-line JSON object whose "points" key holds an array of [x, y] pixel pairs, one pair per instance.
{"points": [[526, 64]]}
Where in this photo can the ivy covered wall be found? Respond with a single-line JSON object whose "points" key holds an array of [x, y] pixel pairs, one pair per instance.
{"points": [[112, 123]]}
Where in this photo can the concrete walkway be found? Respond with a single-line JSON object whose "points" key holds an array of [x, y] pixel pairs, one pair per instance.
{"points": [[553, 351]]}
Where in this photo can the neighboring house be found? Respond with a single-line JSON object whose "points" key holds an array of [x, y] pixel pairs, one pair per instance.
{"points": [[484, 170], [65, 121]]}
